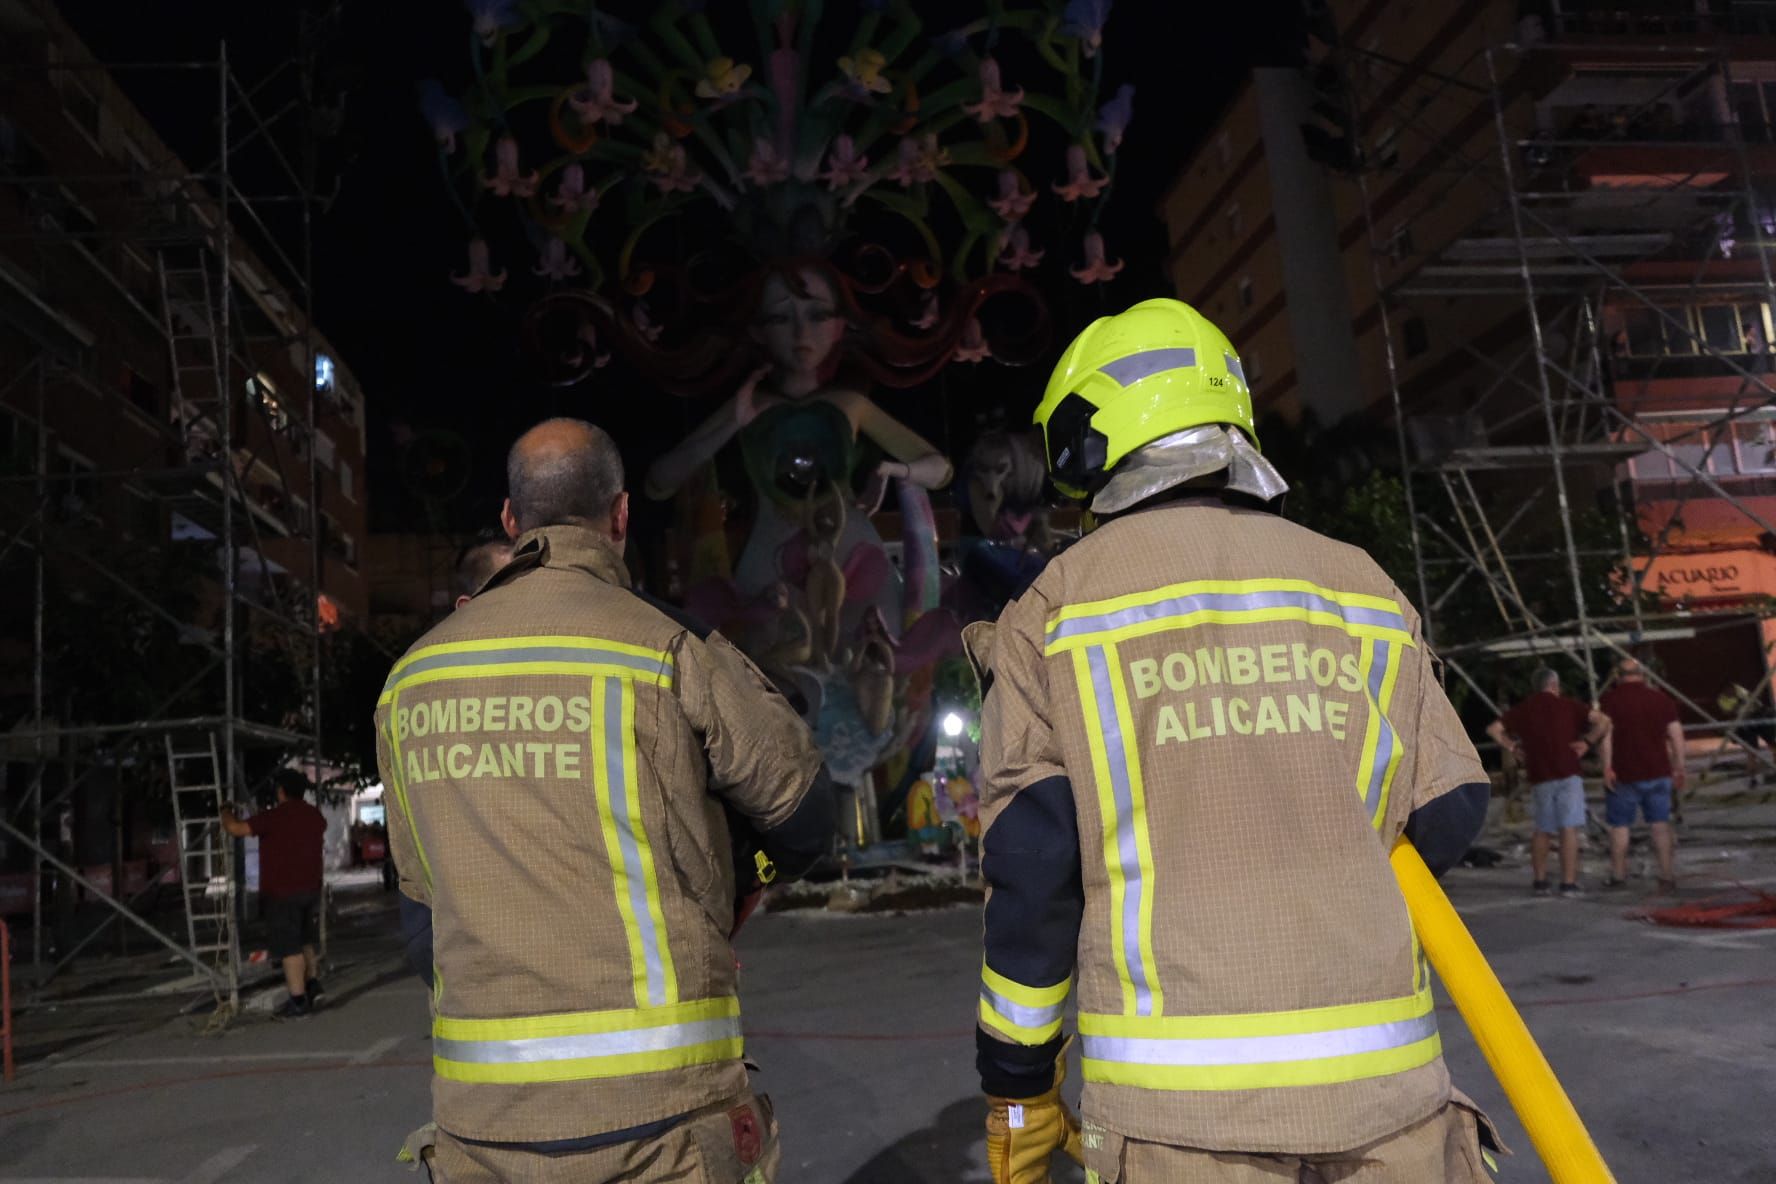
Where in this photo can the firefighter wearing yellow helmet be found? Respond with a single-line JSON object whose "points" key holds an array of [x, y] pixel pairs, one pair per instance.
{"points": [[1203, 728]]}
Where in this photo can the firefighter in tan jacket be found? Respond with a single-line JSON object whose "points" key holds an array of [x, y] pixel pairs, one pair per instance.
{"points": [[563, 758], [1203, 728]]}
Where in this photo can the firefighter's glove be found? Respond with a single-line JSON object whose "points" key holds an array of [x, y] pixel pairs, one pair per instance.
{"points": [[1022, 1133]]}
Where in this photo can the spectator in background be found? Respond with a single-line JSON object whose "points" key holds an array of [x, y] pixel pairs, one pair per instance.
{"points": [[1547, 732], [291, 836], [1642, 764], [485, 554]]}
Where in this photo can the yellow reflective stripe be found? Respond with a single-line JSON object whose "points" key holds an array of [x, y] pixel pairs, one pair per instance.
{"points": [[1388, 678], [551, 641], [1371, 726], [1026, 996], [1259, 1023], [1268, 1075], [1107, 812], [1199, 602], [662, 947], [1254, 616], [520, 669], [398, 783], [1095, 608], [613, 843], [584, 1023], [1022, 1034], [1138, 823]]}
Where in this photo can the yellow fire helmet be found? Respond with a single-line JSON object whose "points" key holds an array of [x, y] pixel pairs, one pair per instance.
{"points": [[1160, 367]]}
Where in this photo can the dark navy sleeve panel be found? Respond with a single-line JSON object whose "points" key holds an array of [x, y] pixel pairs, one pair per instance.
{"points": [[1446, 826]]}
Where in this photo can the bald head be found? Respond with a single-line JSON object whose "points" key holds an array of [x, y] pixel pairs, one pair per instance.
{"points": [[565, 472], [1629, 670]]}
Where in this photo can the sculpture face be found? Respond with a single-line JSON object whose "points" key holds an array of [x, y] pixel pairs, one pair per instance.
{"points": [[799, 330]]}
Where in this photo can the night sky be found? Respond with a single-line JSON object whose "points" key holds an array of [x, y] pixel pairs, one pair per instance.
{"points": [[431, 358]]}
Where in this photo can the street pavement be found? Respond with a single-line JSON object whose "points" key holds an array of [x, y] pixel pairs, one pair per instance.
{"points": [[862, 1026]]}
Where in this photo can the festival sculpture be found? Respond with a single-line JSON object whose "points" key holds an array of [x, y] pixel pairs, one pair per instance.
{"points": [[781, 212]]}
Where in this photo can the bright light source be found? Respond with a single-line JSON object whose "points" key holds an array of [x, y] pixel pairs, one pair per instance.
{"points": [[323, 372], [952, 724]]}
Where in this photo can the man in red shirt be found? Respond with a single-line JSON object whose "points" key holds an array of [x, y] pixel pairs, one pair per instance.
{"points": [[1547, 732], [290, 841], [1642, 764]]}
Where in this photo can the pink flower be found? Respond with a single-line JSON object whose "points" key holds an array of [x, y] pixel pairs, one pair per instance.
{"points": [[844, 166], [596, 102], [765, 167], [1096, 270], [507, 181], [573, 197], [919, 160], [667, 167], [973, 347], [588, 337], [555, 263], [995, 102], [1014, 250], [480, 277], [1013, 201], [1080, 182], [1114, 116]]}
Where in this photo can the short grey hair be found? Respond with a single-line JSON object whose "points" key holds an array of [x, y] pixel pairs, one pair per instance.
{"points": [[571, 477], [1544, 679]]}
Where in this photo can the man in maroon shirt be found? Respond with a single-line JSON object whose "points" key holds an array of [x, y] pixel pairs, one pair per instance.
{"points": [[290, 841], [1643, 763], [1547, 732]]}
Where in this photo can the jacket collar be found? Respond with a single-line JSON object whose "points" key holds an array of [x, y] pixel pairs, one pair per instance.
{"points": [[574, 547]]}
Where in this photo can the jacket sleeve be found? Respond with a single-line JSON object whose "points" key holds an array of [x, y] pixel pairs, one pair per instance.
{"points": [[1029, 858], [403, 838], [761, 757], [1449, 788]]}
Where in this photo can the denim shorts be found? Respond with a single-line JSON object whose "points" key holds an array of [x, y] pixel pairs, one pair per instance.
{"points": [[1651, 798], [1559, 804]]}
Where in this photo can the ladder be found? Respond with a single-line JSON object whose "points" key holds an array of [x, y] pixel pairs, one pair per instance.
{"points": [[206, 859], [189, 314]]}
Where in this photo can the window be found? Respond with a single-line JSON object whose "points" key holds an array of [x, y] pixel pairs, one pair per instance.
{"points": [[1236, 222], [1399, 244], [325, 452], [1253, 365], [67, 214], [1417, 336], [345, 480], [73, 488], [1223, 150], [80, 102], [1387, 148], [138, 275], [1245, 291], [263, 395], [143, 395], [323, 374], [18, 156], [141, 516]]}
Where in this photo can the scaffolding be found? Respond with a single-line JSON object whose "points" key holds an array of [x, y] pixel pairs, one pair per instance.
{"points": [[1584, 191], [224, 477]]}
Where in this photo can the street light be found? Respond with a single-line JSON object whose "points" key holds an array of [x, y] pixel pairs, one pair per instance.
{"points": [[952, 724]]}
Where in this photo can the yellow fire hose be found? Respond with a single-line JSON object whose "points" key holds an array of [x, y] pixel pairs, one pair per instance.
{"points": [[1529, 1083]]}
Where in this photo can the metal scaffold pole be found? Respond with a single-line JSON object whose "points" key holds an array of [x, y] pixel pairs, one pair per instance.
{"points": [[39, 608]]}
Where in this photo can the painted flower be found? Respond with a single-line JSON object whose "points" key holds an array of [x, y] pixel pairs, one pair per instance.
{"points": [[1097, 269], [444, 113], [556, 263], [490, 16], [1085, 19], [995, 102], [1080, 182], [667, 167], [722, 79], [919, 160], [587, 337], [480, 277], [844, 164], [927, 312], [573, 196], [973, 346], [1014, 201], [1114, 116], [507, 180], [1015, 253], [596, 102], [863, 74], [765, 167]]}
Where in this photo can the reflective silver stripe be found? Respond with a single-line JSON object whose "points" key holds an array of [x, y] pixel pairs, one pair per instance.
{"points": [[1128, 856], [622, 787], [1385, 740], [519, 655], [590, 1045], [1021, 1014], [1234, 368], [1178, 606], [1147, 363], [1259, 1050]]}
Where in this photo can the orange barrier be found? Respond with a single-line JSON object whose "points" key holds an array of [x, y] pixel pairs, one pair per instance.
{"points": [[5, 1001]]}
